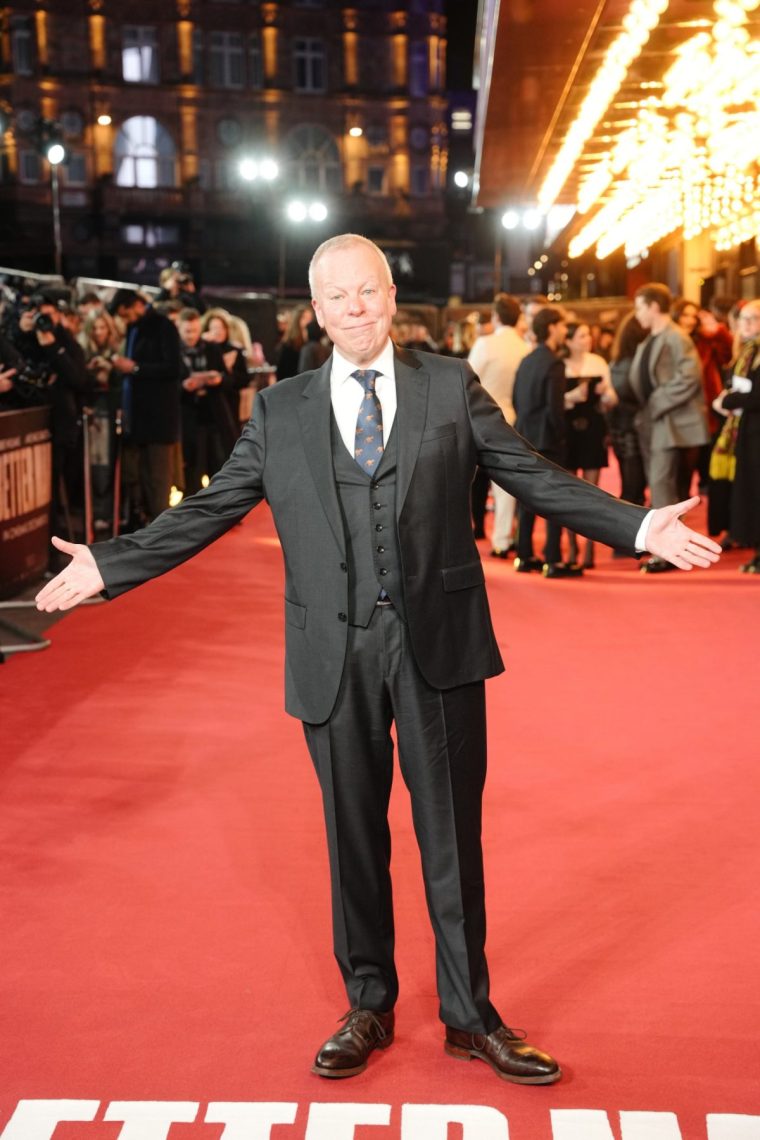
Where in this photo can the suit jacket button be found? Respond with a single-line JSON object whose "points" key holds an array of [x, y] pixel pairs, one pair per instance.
{"points": [[343, 566], [383, 571], [381, 550], [342, 617], [378, 506]]}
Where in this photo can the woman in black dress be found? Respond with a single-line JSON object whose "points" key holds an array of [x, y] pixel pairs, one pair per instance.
{"points": [[589, 395]]}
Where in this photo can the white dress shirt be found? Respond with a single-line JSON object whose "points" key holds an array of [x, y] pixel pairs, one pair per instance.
{"points": [[346, 395]]}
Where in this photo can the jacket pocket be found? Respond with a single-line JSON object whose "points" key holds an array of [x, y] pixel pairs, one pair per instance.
{"points": [[439, 431], [295, 615], [463, 577]]}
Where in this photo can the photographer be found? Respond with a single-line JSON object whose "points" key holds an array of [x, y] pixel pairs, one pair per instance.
{"points": [[178, 284], [55, 366], [15, 391]]}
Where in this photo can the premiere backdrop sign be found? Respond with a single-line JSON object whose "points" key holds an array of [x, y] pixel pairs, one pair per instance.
{"points": [[25, 493]]}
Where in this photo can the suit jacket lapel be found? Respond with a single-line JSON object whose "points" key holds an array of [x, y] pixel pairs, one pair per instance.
{"points": [[314, 415], [412, 384]]}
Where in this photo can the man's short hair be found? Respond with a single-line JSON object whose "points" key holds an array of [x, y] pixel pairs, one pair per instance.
{"points": [[123, 298], [543, 321], [507, 309], [345, 241], [655, 293], [189, 315]]}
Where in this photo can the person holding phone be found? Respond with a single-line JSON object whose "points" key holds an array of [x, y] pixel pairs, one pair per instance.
{"points": [[589, 395]]}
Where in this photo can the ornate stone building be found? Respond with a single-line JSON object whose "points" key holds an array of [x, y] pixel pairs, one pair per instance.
{"points": [[160, 103]]}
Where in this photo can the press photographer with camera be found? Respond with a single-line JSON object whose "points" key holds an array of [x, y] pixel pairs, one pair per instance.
{"points": [[54, 365], [178, 284]]}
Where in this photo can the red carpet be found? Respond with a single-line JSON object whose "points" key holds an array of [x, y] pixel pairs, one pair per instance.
{"points": [[165, 933]]}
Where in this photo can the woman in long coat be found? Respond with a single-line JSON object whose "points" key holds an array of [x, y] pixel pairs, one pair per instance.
{"points": [[744, 397]]}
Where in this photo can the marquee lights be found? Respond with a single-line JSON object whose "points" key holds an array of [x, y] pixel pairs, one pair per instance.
{"points": [[641, 18], [692, 158]]}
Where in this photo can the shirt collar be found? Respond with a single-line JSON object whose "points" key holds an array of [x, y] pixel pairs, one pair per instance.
{"points": [[342, 369]]}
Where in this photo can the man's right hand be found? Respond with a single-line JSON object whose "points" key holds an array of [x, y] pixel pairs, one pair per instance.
{"points": [[81, 579]]}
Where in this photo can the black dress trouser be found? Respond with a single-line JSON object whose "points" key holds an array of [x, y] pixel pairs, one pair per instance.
{"points": [[442, 756]]}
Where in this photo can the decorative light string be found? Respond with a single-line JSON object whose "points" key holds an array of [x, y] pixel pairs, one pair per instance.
{"points": [[692, 158]]}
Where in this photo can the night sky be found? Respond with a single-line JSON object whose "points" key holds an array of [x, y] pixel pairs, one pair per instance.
{"points": [[462, 16]]}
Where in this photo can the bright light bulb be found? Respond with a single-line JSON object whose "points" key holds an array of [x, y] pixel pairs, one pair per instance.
{"points": [[296, 211], [317, 211], [104, 120], [532, 219], [249, 169], [461, 179], [268, 169], [510, 219], [55, 154]]}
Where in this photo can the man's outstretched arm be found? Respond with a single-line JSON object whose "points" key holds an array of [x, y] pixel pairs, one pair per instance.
{"points": [[122, 563]]}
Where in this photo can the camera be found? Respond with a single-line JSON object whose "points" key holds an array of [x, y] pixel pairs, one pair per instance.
{"points": [[44, 323], [36, 374]]}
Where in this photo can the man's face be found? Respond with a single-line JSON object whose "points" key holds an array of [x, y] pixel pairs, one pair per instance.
{"points": [[559, 333], [190, 332], [645, 312], [353, 301]]}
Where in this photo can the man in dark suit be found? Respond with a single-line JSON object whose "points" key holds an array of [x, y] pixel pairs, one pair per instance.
{"points": [[539, 401], [151, 368], [366, 464]]}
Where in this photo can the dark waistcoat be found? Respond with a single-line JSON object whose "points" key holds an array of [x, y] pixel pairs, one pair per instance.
{"points": [[368, 506]]}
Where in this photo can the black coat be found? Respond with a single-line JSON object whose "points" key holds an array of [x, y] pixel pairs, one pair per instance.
{"points": [[154, 413], [745, 496], [539, 400]]}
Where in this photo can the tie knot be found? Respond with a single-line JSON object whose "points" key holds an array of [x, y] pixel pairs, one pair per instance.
{"points": [[366, 377]]}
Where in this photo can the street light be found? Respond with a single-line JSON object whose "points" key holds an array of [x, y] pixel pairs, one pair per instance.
{"points": [[297, 211], [510, 219], [462, 179], [253, 168]]}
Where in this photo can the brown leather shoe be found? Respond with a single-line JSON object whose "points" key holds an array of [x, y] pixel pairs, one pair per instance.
{"points": [[512, 1058], [345, 1053]]}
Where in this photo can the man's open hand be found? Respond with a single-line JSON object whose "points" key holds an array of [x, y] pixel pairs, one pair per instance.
{"points": [[669, 539], [81, 579]]}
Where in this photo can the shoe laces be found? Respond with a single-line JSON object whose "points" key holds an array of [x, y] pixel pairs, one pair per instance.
{"points": [[358, 1019]]}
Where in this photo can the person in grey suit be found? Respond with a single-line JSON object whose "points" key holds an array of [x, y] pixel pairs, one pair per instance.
{"points": [[366, 464], [666, 379]]}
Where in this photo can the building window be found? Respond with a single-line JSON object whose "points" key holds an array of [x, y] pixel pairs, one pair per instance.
{"points": [[309, 65], [420, 184], [376, 134], [139, 54], [204, 173], [144, 154], [150, 234], [72, 123], [313, 159], [28, 166], [375, 179], [418, 69], [22, 45], [226, 59], [197, 56], [75, 170], [255, 63]]}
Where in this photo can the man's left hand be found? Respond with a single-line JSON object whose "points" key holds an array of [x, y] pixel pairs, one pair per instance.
{"points": [[670, 540]]}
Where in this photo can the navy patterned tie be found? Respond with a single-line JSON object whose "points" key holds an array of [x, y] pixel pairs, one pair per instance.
{"points": [[368, 441]]}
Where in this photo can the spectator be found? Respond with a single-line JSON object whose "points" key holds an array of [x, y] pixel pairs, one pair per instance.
{"points": [[216, 328], [530, 308], [209, 424], [589, 395], [621, 419], [744, 399], [539, 400], [666, 377], [293, 342], [15, 391], [316, 350], [715, 348], [101, 341], [152, 367], [495, 359], [55, 361]]}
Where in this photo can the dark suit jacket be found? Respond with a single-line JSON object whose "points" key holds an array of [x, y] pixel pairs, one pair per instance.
{"points": [[539, 401], [155, 403], [447, 425]]}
